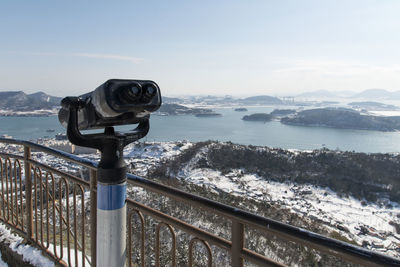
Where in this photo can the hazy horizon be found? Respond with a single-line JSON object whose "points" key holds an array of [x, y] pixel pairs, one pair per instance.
{"points": [[348, 93]]}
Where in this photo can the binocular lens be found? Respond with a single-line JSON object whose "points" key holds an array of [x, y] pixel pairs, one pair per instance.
{"points": [[149, 91], [130, 93], [134, 91]]}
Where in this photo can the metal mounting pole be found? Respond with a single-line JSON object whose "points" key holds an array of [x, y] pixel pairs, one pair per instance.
{"points": [[111, 224], [111, 206], [111, 184]]}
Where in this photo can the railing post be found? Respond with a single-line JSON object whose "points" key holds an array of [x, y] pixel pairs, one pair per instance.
{"points": [[93, 216], [237, 244], [28, 191]]}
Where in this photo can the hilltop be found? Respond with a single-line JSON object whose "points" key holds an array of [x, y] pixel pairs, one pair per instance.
{"points": [[20, 101]]}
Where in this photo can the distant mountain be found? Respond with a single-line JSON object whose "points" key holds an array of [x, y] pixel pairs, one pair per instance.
{"points": [[261, 99], [377, 94], [19, 101]]}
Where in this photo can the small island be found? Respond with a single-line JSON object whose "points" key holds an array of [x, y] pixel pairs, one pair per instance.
{"points": [[176, 109], [258, 117], [282, 112], [240, 109], [210, 114]]}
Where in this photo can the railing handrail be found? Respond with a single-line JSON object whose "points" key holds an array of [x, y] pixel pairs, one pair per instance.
{"points": [[55, 152], [331, 246]]}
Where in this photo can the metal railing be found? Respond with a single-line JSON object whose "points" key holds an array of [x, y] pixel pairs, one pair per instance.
{"points": [[56, 210]]}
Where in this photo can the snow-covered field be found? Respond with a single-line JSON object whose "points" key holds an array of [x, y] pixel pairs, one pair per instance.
{"points": [[369, 224]]}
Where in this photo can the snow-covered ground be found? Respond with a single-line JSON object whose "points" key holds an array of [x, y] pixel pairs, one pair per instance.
{"points": [[141, 156], [366, 223]]}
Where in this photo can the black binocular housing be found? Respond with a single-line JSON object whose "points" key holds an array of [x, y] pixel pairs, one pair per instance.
{"points": [[115, 102]]}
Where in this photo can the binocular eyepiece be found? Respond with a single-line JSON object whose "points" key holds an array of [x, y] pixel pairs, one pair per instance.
{"points": [[115, 102]]}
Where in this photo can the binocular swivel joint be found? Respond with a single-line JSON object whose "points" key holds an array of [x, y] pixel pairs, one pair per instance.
{"points": [[112, 167]]}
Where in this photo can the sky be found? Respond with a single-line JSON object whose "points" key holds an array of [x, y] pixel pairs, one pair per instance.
{"points": [[215, 47]]}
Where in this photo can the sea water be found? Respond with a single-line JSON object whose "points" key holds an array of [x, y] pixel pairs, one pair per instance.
{"points": [[228, 127]]}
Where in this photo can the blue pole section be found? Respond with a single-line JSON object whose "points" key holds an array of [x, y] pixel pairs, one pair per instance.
{"points": [[111, 225]]}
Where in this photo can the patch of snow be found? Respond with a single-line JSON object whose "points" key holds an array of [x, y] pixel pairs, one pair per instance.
{"points": [[29, 254], [385, 112], [72, 256], [2, 263]]}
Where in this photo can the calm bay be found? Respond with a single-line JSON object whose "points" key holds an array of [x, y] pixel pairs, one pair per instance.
{"points": [[228, 127]]}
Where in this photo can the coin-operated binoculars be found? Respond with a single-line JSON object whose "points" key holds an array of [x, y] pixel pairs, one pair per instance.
{"points": [[116, 102]]}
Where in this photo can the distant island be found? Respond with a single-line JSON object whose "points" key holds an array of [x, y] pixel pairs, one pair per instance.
{"points": [[211, 114], [282, 112], [344, 119], [176, 109], [258, 117], [275, 114], [371, 105], [240, 109]]}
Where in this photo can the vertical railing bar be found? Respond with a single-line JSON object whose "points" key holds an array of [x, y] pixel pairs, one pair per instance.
{"points": [[41, 209], [17, 173], [3, 207], [83, 224], [61, 217], [16, 193], [28, 191], [21, 197], [75, 228], [7, 195], [68, 224], [93, 217], [47, 211], [10, 198], [237, 244], [53, 186], [36, 207]]}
